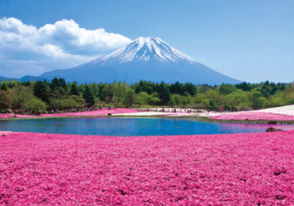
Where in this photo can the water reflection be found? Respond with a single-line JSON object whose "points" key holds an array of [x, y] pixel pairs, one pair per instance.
{"points": [[131, 126], [243, 128]]}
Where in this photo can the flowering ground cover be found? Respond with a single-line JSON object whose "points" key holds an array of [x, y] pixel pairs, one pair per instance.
{"points": [[234, 169], [252, 115], [150, 113], [3, 133]]}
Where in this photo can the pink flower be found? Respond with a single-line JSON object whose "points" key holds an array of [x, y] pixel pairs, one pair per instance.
{"points": [[253, 116], [230, 169]]}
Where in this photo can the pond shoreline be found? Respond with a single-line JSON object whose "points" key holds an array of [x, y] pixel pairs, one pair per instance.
{"points": [[279, 115], [193, 117]]}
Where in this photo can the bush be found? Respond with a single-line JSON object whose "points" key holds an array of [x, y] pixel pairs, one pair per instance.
{"points": [[35, 105]]}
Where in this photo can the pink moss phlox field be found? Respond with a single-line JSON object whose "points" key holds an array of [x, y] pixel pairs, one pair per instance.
{"points": [[230, 169], [253, 116], [3, 133]]}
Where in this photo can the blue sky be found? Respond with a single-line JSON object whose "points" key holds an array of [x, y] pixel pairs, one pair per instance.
{"points": [[248, 40]]}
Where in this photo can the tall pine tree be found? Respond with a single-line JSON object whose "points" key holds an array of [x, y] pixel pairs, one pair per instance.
{"points": [[42, 91], [164, 94], [74, 90], [89, 96]]}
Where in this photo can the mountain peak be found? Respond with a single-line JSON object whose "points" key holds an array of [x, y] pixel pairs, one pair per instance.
{"points": [[145, 58], [148, 40], [147, 49]]}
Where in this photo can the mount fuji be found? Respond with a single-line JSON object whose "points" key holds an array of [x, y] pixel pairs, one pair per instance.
{"points": [[146, 58]]}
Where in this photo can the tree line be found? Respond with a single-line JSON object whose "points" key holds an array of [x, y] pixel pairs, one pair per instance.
{"points": [[41, 96]]}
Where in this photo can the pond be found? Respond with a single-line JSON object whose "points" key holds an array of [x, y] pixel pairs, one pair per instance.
{"points": [[130, 126]]}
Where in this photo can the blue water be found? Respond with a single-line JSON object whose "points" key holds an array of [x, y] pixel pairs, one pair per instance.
{"points": [[130, 126]]}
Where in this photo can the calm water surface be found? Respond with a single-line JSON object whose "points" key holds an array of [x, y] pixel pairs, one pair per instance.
{"points": [[130, 126]]}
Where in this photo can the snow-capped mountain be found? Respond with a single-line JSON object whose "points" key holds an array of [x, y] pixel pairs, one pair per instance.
{"points": [[147, 49], [146, 58]]}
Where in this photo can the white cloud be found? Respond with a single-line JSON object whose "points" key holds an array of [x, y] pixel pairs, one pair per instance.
{"points": [[23, 48]]}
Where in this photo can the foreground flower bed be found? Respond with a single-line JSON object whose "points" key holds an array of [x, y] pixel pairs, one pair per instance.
{"points": [[253, 116], [235, 169]]}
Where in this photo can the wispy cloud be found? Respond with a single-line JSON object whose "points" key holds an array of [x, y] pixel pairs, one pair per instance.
{"points": [[26, 49]]}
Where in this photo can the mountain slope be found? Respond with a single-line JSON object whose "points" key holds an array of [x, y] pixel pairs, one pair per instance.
{"points": [[148, 59], [24, 79]]}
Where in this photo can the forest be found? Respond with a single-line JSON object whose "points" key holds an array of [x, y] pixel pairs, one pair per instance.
{"points": [[44, 96]]}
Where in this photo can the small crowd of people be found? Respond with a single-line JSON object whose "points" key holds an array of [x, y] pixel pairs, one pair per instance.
{"points": [[58, 111], [232, 110], [174, 110]]}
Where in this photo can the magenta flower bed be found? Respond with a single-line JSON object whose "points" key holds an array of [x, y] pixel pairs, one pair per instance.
{"points": [[253, 116], [234, 169]]}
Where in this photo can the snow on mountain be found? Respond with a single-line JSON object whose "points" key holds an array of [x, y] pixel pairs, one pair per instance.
{"points": [[147, 48], [146, 58]]}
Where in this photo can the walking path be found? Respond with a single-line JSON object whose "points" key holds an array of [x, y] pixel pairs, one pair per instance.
{"points": [[285, 113]]}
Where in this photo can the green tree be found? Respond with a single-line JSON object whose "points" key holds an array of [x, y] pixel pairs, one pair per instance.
{"points": [[289, 98], [55, 104], [68, 103], [141, 98], [82, 88], [79, 100], [212, 94], [153, 99], [138, 89], [89, 96], [42, 91], [11, 84], [3, 86], [164, 94], [204, 88], [35, 105], [244, 86], [129, 99], [144, 86], [74, 90], [254, 98], [58, 87], [237, 100], [176, 99], [4, 101], [260, 102], [115, 101], [278, 99], [57, 83], [94, 89], [227, 88], [187, 100], [121, 91], [212, 105], [176, 88], [190, 88], [106, 93], [19, 96]]}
